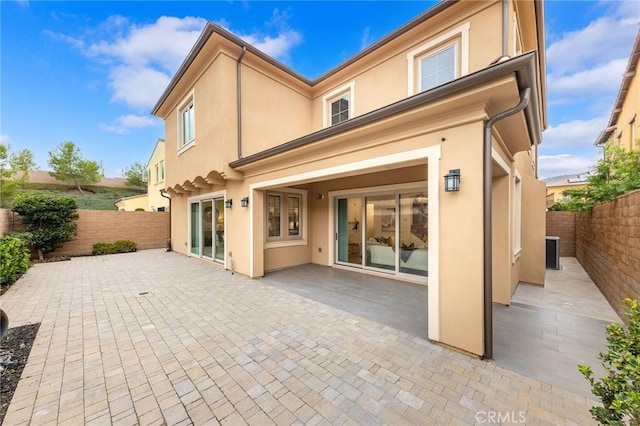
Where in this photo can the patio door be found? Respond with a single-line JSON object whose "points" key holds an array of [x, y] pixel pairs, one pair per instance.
{"points": [[386, 232], [207, 229]]}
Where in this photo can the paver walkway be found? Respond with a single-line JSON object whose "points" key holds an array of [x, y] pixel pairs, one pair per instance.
{"points": [[159, 338]]}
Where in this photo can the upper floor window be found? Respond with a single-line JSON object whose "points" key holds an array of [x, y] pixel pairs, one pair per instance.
{"points": [[340, 109], [439, 60], [162, 170], [438, 68], [186, 123], [157, 173], [338, 105]]}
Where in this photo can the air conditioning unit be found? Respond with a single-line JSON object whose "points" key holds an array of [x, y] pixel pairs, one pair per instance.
{"points": [[553, 253]]}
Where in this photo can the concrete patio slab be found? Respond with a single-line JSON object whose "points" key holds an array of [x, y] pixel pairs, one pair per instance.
{"points": [[159, 338]]}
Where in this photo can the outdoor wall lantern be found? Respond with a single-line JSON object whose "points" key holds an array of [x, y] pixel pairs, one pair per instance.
{"points": [[452, 180], [228, 203], [244, 202]]}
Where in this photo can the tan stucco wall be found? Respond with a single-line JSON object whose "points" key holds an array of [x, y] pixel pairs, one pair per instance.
{"points": [[556, 191], [533, 232], [130, 204]]}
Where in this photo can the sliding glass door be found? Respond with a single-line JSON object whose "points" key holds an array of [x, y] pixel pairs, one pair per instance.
{"points": [[386, 232], [207, 228]]}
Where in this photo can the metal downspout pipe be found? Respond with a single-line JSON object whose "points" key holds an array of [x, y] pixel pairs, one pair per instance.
{"points": [[163, 194], [525, 95], [239, 97]]}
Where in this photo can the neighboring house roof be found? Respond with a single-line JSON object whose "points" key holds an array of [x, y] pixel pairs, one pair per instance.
{"points": [[567, 180], [628, 75], [211, 28], [523, 66], [159, 141]]}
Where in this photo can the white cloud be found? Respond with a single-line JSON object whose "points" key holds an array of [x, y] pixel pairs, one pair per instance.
{"points": [[563, 164], [365, 40], [141, 59], [574, 134], [125, 123], [602, 41], [278, 46], [600, 79], [5, 139]]}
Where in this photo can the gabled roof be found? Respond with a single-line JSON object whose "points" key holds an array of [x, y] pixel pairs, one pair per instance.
{"points": [[210, 29], [630, 72]]}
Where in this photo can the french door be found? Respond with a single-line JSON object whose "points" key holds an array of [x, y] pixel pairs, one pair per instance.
{"points": [[385, 232], [207, 229]]}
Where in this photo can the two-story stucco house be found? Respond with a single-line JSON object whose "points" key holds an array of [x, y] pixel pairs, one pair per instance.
{"points": [[268, 169]]}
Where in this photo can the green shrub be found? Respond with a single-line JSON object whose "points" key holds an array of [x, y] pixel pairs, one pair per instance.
{"points": [[120, 246], [619, 389], [14, 258], [49, 219]]}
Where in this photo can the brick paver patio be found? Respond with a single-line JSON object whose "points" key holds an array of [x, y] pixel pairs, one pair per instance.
{"points": [[158, 338]]}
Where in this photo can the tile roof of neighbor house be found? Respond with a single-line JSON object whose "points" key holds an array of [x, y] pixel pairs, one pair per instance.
{"points": [[567, 180], [628, 75]]}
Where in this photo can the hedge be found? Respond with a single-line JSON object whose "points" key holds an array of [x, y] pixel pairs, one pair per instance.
{"points": [[120, 246], [14, 258]]}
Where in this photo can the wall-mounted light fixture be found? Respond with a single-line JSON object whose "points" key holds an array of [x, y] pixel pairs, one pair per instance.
{"points": [[320, 196], [228, 203], [452, 180], [244, 202]]}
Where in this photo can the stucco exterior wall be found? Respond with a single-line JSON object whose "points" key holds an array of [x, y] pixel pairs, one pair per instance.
{"points": [[131, 204], [608, 247], [154, 185]]}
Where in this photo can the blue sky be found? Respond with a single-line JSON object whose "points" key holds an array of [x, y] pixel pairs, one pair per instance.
{"points": [[90, 72]]}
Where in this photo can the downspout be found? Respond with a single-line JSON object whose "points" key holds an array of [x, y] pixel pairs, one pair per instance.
{"points": [[505, 24], [486, 209], [239, 97], [163, 194]]}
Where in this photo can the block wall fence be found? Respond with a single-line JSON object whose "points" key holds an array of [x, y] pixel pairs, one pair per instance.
{"points": [[608, 248], [563, 225], [147, 229]]}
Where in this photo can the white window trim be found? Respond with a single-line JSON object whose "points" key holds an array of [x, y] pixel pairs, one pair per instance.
{"points": [[462, 51], [188, 100], [327, 98], [301, 240], [517, 215]]}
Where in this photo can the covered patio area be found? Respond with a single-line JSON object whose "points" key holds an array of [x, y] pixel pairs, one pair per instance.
{"points": [[543, 334]]}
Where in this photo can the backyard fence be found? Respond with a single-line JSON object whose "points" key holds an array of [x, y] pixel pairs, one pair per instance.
{"points": [[608, 248], [147, 229]]}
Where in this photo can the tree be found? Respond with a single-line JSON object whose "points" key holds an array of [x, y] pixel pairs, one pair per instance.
{"points": [[619, 388], [68, 165], [48, 219], [617, 173], [14, 171], [135, 174]]}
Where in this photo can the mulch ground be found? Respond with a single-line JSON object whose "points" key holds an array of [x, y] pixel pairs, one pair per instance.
{"points": [[14, 352]]}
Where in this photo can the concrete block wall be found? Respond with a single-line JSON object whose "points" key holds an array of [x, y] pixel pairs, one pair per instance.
{"points": [[147, 229], [608, 248], [563, 225]]}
